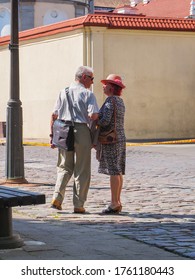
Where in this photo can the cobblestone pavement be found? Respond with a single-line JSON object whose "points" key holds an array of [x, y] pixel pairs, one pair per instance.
{"points": [[158, 195]]}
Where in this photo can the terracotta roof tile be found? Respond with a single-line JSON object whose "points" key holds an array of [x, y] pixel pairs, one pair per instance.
{"points": [[150, 23], [110, 21]]}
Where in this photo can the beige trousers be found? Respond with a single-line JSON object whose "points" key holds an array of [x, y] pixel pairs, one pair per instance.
{"points": [[77, 163]]}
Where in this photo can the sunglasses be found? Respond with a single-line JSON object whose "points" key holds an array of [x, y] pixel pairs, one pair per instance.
{"points": [[92, 78]]}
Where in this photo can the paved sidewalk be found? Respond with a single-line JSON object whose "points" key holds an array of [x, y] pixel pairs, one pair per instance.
{"points": [[157, 222]]}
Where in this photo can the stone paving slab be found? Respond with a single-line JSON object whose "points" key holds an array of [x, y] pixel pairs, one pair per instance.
{"points": [[158, 196], [65, 240]]}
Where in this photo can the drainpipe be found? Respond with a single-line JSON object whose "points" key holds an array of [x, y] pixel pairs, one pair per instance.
{"points": [[87, 48]]}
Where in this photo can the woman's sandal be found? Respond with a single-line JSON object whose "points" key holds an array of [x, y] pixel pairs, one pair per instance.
{"points": [[110, 211]]}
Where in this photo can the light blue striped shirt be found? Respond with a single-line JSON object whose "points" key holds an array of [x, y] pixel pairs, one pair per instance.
{"points": [[83, 101]]}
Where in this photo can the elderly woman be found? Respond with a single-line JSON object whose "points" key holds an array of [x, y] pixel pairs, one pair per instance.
{"points": [[112, 155]]}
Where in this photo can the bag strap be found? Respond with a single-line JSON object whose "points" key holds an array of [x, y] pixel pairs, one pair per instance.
{"points": [[69, 104], [114, 105]]}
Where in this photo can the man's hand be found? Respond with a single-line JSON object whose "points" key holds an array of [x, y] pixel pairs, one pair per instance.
{"points": [[51, 144], [94, 116], [53, 118]]}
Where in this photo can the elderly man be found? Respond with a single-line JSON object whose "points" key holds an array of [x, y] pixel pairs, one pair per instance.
{"points": [[77, 162]]}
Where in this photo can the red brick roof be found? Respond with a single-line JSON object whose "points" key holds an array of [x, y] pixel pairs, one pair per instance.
{"points": [[165, 8], [140, 22], [110, 21]]}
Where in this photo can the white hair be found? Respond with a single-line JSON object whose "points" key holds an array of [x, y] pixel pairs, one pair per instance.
{"points": [[83, 70]]}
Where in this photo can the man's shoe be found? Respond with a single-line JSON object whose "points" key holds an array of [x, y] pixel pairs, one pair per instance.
{"points": [[56, 204], [79, 210]]}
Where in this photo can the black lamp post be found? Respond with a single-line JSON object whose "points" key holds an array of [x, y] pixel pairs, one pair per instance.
{"points": [[14, 144]]}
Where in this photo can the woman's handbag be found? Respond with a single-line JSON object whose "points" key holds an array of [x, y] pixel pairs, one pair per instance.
{"points": [[109, 137], [63, 131]]}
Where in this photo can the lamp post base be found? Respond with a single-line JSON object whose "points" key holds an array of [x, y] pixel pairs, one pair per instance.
{"points": [[11, 242], [16, 181]]}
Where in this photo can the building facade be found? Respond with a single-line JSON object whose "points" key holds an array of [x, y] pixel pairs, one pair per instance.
{"points": [[155, 57], [37, 13]]}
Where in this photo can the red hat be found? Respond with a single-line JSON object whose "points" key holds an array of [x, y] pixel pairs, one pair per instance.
{"points": [[113, 79]]}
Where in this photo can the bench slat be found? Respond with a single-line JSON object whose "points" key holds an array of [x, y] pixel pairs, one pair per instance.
{"points": [[10, 197]]}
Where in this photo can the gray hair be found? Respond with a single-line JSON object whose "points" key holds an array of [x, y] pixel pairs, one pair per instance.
{"points": [[83, 70]]}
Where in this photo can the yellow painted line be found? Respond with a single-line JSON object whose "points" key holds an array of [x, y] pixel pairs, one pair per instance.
{"points": [[188, 141], [36, 144], [29, 143]]}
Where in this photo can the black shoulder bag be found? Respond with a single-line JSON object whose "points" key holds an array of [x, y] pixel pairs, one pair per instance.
{"points": [[63, 131]]}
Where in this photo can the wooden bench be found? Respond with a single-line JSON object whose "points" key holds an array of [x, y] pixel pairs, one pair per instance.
{"points": [[11, 197]]}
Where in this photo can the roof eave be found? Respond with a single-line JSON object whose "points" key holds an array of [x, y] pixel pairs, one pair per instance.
{"points": [[111, 21]]}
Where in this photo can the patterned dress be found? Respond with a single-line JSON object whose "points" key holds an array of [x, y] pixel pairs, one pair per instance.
{"points": [[113, 156]]}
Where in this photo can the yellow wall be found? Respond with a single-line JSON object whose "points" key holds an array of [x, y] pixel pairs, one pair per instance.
{"points": [[4, 81], [158, 69]]}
